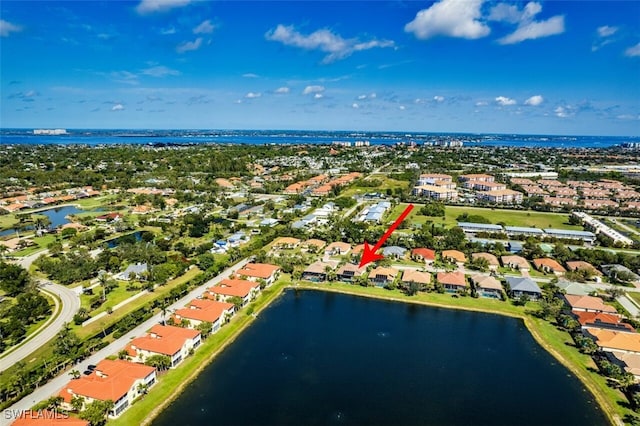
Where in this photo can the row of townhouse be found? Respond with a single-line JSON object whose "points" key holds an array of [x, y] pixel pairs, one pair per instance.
{"points": [[124, 380], [471, 228], [43, 199]]}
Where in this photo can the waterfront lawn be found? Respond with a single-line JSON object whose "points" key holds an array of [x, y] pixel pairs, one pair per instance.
{"points": [[7, 221], [41, 243], [95, 202], [508, 217], [170, 385]]}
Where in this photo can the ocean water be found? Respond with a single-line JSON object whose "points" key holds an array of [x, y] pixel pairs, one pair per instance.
{"points": [[316, 358], [144, 137]]}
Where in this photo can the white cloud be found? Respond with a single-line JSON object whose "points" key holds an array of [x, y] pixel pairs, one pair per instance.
{"points": [[373, 96], [323, 40], [117, 107], [204, 28], [534, 100], [365, 96], [355, 105], [282, 90], [481, 103], [362, 97], [250, 75], [564, 112], [452, 18], [312, 89], [252, 95], [152, 6], [159, 71], [633, 51], [607, 31], [628, 117], [528, 27], [7, 28], [402, 107], [438, 98], [504, 101], [168, 31], [318, 96], [188, 46]]}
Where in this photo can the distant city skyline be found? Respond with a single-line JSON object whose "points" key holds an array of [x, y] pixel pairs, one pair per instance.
{"points": [[472, 66]]}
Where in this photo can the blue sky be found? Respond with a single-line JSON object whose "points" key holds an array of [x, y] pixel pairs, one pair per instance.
{"points": [[561, 67]]}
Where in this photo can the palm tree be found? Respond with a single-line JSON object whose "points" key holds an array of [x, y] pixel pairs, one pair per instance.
{"points": [[3, 250], [75, 374]]}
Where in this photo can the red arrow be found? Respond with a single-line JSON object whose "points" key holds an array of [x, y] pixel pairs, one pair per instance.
{"points": [[369, 254]]}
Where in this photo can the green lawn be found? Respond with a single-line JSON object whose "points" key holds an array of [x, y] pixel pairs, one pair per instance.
{"points": [[92, 203], [116, 296], [94, 327], [387, 183], [41, 243], [7, 221], [635, 296], [508, 217]]}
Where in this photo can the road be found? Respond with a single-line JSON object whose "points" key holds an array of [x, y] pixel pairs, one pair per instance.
{"points": [[58, 382], [70, 303]]}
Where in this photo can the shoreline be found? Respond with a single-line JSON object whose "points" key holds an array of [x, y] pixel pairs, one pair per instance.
{"points": [[600, 399]]}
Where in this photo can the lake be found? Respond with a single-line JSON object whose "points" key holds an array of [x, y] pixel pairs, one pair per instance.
{"points": [[316, 358], [57, 216]]}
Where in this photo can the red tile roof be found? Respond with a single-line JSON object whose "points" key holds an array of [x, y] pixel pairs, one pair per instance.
{"points": [[590, 303], [204, 310], [452, 278], [112, 379], [426, 253], [166, 340], [596, 318], [258, 270], [234, 287]]}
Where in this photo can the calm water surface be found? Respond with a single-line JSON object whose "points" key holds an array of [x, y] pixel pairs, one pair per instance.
{"points": [[315, 358], [57, 216]]}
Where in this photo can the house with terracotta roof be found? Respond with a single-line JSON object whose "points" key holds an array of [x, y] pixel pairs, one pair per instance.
{"points": [[286, 243], [171, 341], [614, 341], [357, 250], [423, 255], [452, 281], [205, 310], [423, 279], [523, 286], [580, 265], [348, 272], [454, 256], [629, 362], [602, 320], [109, 217], [260, 271], [318, 271], [548, 265], [491, 260], [47, 418], [313, 245], [337, 249], [115, 380], [516, 262], [381, 277], [588, 304], [228, 288], [487, 286]]}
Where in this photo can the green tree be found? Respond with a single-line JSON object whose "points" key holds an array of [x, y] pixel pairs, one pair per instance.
{"points": [[205, 328], [77, 402], [96, 412], [160, 362], [14, 279]]}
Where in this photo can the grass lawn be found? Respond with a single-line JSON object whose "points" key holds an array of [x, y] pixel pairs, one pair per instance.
{"points": [[635, 296], [95, 202], [116, 296], [509, 217], [387, 183], [41, 244], [94, 327], [7, 221]]}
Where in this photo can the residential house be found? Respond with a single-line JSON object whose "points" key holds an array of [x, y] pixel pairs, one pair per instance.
{"points": [[454, 256], [348, 272], [579, 265], [574, 288], [423, 255], [228, 288], [491, 260], [452, 281], [337, 249], [423, 279], [524, 286], [174, 342], [116, 380], [313, 245], [602, 320], [358, 249], [620, 273], [260, 271], [629, 362], [516, 262], [394, 252], [548, 265], [615, 341], [205, 310], [318, 271], [381, 276], [286, 243], [136, 271], [109, 217], [487, 286], [588, 304]]}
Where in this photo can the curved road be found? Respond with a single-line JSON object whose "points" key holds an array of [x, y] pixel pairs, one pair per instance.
{"points": [[70, 302]]}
